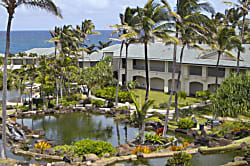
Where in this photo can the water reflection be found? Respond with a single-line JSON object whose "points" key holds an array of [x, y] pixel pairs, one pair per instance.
{"points": [[68, 128]]}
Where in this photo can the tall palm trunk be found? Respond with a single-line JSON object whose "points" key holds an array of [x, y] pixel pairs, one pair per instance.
{"points": [[171, 92], [216, 80], [31, 96], [178, 84], [217, 69], [146, 70], [7, 49], [241, 37], [61, 87], [118, 77], [126, 67], [57, 92], [141, 132]]}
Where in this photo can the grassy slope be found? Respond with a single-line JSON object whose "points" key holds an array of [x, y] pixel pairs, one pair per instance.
{"points": [[161, 97]]}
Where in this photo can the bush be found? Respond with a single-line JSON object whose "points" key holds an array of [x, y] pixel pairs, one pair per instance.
{"points": [[155, 139], [163, 105], [179, 159], [204, 95], [182, 95], [232, 97], [185, 124], [110, 104], [88, 146], [74, 97], [97, 103], [109, 93]]}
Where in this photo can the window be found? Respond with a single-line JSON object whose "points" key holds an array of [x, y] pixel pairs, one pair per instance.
{"points": [[92, 64], [157, 66], [30, 61], [124, 63], [212, 72], [139, 64], [234, 70], [195, 70], [170, 67], [18, 62]]}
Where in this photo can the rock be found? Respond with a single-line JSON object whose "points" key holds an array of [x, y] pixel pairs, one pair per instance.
{"points": [[224, 142], [243, 145], [77, 159], [238, 158], [119, 165], [213, 144], [50, 151], [228, 136], [140, 155], [106, 155], [133, 157], [35, 136], [123, 150], [90, 157], [39, 132], [191, 146], [52, 143], [61, 163], [23, 163], [88, 163], [67, 159]]}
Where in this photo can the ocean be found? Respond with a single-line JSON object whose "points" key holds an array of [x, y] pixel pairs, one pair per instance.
{"points": [[26, 40]]}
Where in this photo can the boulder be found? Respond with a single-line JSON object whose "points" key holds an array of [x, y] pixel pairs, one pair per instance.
{"points": [[39, 132], [238, 158], [106, 155], [90, 157], [228, 136], [50, 151], [123, 150], [213, 144], [224, 142], [67, 159]]}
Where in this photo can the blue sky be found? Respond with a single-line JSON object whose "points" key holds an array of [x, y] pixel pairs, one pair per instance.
{"points": [[102, 12]]}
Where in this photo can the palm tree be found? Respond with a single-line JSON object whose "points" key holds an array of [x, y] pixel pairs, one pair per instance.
{"points": [[55, 35], [189, 25], [103, 45], [243, 6], [147, 26], [11, 6], [128, 19], [140, 116]]}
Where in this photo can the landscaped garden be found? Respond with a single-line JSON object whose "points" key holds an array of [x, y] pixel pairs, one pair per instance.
{"points": [[70, 114]]}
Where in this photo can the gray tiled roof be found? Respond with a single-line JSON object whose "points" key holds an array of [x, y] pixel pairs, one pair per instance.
{"points": [[159, 51], [42, 51]]}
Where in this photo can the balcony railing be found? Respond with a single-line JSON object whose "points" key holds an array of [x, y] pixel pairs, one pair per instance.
{"points": [[160, 69], [139, 67]]}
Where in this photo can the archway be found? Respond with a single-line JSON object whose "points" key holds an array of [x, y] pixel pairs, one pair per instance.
{"points": [[141, 82], [157, 84], [195, 87]]}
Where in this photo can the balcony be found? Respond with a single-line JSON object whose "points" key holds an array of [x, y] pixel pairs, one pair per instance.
{"points": [[160, 69], [136, 67]]}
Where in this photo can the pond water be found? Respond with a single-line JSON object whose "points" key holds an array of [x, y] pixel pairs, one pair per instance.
{"points": [[67, 128], [197, 160]]}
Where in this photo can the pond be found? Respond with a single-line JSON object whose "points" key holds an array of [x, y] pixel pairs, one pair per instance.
{"points": [[68, 128]]}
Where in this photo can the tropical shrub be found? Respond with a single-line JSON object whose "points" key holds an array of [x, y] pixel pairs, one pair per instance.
{"points": [[179, 159], [159, 131], [185, 124], [88, 146], [154, 139], [232, 97], [163, 105], [97, 103], [110, 92], [204, 95], [182, 95], [141, 149], [43, 145], [62, 150], [74, 97]]}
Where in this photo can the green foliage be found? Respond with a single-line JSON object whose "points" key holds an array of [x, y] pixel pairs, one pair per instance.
{"points": [[109, 94], [204, 95], [232, 97], [182, 95], [97, 103], [163, 105], [154, 138], [185, 124], [74, 97], [227, 127], [61, 150], [88, 146], [180, 159]]}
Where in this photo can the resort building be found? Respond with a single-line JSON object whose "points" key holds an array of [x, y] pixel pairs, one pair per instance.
{"points": [[198, 71]]}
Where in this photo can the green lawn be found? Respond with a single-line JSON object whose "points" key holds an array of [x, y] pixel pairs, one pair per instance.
{"points": [[161, 97]]}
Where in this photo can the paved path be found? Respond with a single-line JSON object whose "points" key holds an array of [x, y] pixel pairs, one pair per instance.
{"points": [[226, 118]]}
